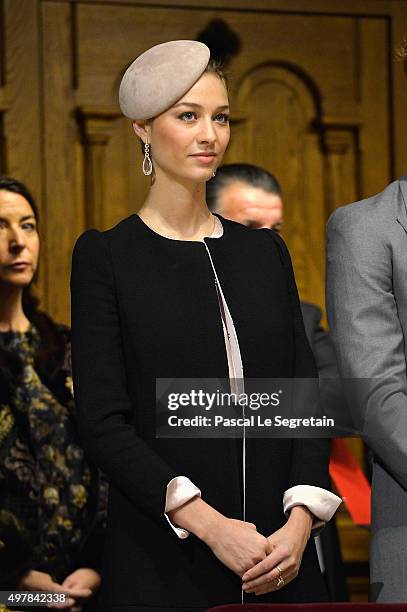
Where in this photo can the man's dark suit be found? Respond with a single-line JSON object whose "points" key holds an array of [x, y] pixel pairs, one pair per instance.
{"points": [[326, 364]]}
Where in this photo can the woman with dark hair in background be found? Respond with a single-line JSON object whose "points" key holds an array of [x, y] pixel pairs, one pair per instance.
{"points": [[48, 489]]}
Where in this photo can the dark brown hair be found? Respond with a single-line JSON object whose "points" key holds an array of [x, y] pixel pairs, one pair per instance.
{"points": [[215, 67], [51, 353]]}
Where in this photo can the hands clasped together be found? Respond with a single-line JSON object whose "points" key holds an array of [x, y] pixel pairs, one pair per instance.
{"points": [[265, 564], [79, 586]]}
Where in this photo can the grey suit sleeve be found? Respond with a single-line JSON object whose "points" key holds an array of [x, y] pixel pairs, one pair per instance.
{"points": [[367, 334]]}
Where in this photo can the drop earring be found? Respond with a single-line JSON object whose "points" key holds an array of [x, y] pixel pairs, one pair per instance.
{"points": [[147, 163], [214, 173]]}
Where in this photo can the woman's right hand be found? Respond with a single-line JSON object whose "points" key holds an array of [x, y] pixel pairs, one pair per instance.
{"points": [[237, 544]]}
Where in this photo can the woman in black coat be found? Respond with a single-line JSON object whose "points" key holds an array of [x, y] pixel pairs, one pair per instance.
{"points": [[176, 292]]}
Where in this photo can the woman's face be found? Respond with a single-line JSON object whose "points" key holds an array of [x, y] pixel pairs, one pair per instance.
{"points": [[19, 240], [189, 139]]}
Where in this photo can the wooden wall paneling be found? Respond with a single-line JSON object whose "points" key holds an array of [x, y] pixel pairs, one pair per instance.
{"points": [[22, 90], [110, 37], [127, 186], [3, 108], [112, 165], [318, 46], [97, 128], [2, 43], [342, 167], [237, 149], [313, 227], [281, 107], [375, 134], [65, 209], [399, 89], [2, 145], [22, 128], [3, 100], [324, 7]]}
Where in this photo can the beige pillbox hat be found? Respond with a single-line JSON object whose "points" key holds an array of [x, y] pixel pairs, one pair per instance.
{"points": [[160, 76]]}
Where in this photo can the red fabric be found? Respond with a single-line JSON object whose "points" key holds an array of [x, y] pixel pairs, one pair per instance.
{"points": [[350, 481]]}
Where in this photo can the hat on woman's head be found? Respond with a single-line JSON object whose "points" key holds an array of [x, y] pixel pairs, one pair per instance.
{"points": [[160, 76]]}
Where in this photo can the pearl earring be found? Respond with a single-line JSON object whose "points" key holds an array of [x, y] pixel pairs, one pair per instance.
{"points": [[147, 163]]}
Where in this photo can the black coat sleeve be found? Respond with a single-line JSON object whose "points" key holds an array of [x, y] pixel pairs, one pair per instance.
{"points": [[103, 404], [310, 459]]}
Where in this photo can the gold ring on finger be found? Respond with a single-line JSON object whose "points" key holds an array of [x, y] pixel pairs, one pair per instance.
{"points": [[280, 581]]}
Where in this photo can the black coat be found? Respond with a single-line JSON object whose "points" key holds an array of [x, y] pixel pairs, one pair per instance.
{"points": [[145, 306]]}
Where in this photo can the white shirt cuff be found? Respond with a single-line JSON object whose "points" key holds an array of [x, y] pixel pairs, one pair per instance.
{"points": [[179, 490], [322, 503]]}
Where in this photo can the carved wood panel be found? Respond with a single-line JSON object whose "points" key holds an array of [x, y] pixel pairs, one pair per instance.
{"points": [[20, 101], [281, 109]]}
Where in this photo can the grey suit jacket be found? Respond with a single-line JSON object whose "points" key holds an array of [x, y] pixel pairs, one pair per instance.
{"points": [[367, 313]]}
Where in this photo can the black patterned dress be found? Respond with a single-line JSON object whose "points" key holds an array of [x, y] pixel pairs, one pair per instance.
{"points": [[48, 489]]}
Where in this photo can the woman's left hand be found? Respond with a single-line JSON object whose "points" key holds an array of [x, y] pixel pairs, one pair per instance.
{"points": [[286, 547]]}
